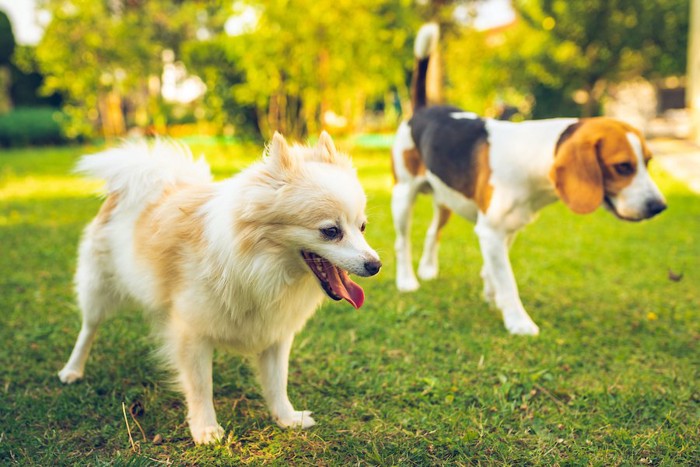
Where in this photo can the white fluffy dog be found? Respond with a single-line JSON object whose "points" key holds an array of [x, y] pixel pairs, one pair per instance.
{"points": [[241, 263]]}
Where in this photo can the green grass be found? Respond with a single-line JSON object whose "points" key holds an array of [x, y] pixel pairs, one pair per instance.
{"points": [[429, 378]]}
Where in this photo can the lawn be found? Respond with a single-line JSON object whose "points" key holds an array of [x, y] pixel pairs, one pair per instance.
{"points": [[429, 378]]}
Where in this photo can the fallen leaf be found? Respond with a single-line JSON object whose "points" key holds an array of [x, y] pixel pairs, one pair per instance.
{"points": [[672, 276]]}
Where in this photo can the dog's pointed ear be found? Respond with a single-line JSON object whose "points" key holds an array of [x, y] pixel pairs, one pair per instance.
{"points": [[326, 146], [280, 154], [577, 176]]}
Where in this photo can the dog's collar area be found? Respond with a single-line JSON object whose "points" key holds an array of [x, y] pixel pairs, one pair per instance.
{"points": [[334, 281]]}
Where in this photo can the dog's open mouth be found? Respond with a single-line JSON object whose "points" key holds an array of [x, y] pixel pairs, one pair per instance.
{"points": [[335, 282]]}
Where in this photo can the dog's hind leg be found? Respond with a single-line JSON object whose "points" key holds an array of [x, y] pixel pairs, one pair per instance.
{"points": [[402, 198], [95, 299], [428, 266], [489, 287], [273, 367]]}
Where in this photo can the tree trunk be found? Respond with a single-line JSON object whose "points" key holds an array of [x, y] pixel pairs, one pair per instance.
{"points": [[110, 108], [5, 100], [693, 90]]}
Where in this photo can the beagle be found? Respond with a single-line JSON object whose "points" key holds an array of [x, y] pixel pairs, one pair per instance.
{"points": [[499, 174]]}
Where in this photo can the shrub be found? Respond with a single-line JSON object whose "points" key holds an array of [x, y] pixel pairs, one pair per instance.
{"points": [[35, 126]]}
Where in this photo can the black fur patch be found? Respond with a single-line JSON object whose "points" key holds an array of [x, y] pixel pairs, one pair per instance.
{"points": [[566, 134], [419, 98], [448, 146]]}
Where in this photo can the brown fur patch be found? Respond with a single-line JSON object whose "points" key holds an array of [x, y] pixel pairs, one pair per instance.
{"points": [[615, 148], [256, 234], [413, 162], [472, 180], [277, 207], [169, 231], [107, 208], [481, 189], [444, 214], [566, 134], [584, 172]]}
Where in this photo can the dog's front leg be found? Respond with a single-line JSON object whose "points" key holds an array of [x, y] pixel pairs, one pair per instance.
{"points": [[192, 359], [499, 279], [273, 366]]}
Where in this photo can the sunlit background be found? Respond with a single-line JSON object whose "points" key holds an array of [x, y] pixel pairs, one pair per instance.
{"points": [[429, 378], [245, 68]]}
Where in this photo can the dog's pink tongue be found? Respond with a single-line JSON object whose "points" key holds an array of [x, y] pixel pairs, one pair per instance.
{"points": [[347, 289]]}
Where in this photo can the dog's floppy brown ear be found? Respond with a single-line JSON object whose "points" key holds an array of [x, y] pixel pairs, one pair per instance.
{"points": [[577, 176], [327, 147], [280, 154]]}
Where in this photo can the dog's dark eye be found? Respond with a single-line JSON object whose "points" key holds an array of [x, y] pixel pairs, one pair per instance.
{"points": [[363, 227], [332, 233], [624, 168]]}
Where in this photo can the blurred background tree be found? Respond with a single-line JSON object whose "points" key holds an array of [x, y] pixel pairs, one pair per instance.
{"points": [[561, 56], [26, 116], [7, 48], [301, 65], [305, 64], [97, 52], [216, 61]]}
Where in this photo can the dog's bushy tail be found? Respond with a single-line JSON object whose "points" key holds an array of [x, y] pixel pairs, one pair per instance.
{"points": [[140, 170], [426, 42]]}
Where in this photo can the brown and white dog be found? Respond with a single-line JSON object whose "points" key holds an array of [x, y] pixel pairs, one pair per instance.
{"points": [[499, 174]]}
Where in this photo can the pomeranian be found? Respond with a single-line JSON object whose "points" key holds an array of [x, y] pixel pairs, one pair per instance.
{"points": [[242, 263]]}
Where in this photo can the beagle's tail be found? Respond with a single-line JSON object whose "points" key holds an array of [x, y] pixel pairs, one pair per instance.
{"points": [[426, 42]]}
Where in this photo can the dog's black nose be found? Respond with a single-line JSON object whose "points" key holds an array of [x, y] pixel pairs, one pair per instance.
{"points": [[373, 267], [654, 207]]}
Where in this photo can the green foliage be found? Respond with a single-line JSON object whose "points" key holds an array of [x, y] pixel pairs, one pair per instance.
{"points": [[429, 378], [92, 50], [616, 39], [560, 47], [27, 82], [216, 62], [303, 58], [7, 39], [31, 126], [594, 41], [475, 80], [295, 62]]}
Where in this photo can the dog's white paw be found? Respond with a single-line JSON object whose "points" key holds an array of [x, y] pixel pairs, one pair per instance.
{"points": [[408, 284], [296, 419], [69, 375], [207, 434], [522, 326], [427, 271]]}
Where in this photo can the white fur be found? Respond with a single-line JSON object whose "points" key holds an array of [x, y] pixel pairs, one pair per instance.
{"points": [[426, 40], [403, 195], [140, 170], [520, 158], [252, 300], [631, 202], [463, 115], [523, 179]]}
